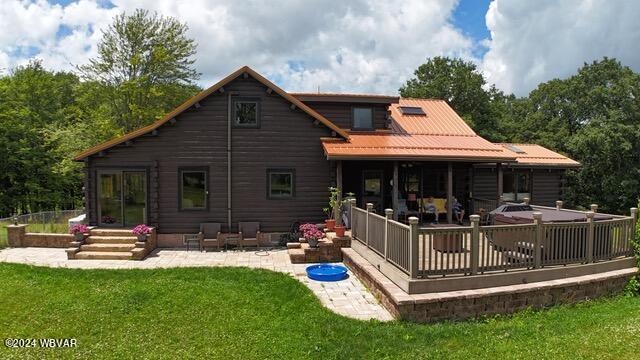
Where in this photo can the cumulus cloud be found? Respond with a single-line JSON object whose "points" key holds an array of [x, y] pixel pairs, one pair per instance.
{"points": [[356, 46], [535, 41]]}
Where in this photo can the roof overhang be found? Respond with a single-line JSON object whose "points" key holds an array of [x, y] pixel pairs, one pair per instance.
{"points": [[199, 97], [419, 158]]}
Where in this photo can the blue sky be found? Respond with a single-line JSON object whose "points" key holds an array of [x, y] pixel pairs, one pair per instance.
{"points": [[469, 17], [345, 46]]}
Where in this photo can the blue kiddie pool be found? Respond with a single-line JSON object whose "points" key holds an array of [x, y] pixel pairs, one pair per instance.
{"points": [[327, 272]]}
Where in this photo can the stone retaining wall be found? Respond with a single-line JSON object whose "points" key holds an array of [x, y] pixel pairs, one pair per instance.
{"points": [[18, 237], [458, 305]]}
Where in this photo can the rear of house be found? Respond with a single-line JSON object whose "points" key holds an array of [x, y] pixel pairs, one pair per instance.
{"points": [[246, 150]]}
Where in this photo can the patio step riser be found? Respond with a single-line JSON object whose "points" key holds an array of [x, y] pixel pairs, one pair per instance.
{"points": [[111, 232], [111, 239], [108, 247], [99, 255]]}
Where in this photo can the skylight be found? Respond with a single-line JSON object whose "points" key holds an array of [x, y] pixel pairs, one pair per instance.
{"points": [[412, 110], [515, 149]]}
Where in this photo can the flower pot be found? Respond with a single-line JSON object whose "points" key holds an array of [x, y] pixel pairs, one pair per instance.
{"points": [[78, 236], [340, 230], [330, 224], [142, 237], [313, 242]]}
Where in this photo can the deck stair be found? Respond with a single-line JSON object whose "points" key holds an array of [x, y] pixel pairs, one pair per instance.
{"points": [[110, 244]]}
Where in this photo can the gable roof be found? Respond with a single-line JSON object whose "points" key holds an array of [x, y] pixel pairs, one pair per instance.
{"points": [[200, 96], [439, 135], [536, 155]]}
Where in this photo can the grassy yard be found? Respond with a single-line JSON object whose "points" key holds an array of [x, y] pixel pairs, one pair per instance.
{"points": [[256, 314]]}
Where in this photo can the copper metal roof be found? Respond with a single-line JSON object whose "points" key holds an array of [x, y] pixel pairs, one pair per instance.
{"points": [[532, 154], [439, 135]]}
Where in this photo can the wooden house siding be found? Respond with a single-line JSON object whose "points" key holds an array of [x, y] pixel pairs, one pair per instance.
{"points": [[341, 113], [546, 184], [287, 138]]}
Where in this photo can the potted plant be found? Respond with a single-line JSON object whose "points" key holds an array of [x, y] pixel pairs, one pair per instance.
{"points": [[141, 231], [335, 208], [311, 233], [78, 231]]}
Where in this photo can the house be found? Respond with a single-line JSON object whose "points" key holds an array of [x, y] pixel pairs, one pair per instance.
{"points": [[246, 150]]}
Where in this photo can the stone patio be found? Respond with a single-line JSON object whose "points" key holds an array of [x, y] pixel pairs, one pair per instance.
{"points": [[348, 297]]}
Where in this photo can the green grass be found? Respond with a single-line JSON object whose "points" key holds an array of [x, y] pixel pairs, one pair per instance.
{"points": [[256, 314]]}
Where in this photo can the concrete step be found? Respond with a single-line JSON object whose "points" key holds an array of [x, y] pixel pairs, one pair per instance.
{"points": [[103, 255], [297, 256], [99, 239], [107, 247], [111, 232], [293, 245]]}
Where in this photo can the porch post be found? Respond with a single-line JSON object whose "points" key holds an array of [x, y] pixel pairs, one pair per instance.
{"points": [[475, 243], [369, 210], [590, 235], [538, 241], [414, 247], [338, 214], [394, 195], [499, 182], [388, 214], [449, 193]]}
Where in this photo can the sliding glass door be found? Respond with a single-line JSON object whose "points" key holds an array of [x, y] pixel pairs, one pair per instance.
{"points": [[122, 197]]}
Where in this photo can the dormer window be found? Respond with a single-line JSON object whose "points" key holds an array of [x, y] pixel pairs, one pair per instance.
{"points": [[362, 118], [246, 113]]}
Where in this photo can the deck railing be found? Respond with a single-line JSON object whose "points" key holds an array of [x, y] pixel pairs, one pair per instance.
{"points": [[481, 249]]}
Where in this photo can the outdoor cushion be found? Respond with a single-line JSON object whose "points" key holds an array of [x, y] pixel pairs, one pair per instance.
{"points": [[249, 230], [210, 230]]}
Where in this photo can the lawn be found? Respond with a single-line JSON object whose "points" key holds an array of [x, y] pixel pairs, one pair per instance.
{"points": [[256, 314]]}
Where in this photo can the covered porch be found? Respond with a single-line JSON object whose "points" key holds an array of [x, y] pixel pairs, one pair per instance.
{"points": [[415, 188]]}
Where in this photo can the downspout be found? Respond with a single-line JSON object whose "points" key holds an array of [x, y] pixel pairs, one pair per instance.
{"points": [[229, 161]]}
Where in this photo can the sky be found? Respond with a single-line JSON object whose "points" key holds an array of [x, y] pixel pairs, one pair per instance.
{"points": [[358, 46]]}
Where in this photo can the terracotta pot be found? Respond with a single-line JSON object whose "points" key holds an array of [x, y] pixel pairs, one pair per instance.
{"points": [[340, 230], [330, 224]]}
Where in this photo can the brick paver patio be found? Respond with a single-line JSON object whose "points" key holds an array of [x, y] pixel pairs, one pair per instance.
{"points": [[348, 297]]}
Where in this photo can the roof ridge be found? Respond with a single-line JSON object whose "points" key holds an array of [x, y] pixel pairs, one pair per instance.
{"points": [[200, 96]]}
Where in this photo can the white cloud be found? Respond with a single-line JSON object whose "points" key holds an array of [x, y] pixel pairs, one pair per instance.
{"points": [[535, 41], [357, 46]]}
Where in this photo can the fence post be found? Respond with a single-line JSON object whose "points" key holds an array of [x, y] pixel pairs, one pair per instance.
{"points": [[389, 214], [634, 216], [475, 243], [352, 204], [413, 249], [594, 208], [590, 234], [366, 237], [537, 245], [559, 205]]}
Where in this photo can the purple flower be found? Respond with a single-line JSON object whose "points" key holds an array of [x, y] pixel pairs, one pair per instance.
{"points": [[311, 231], [78, 228], [141, 229]]}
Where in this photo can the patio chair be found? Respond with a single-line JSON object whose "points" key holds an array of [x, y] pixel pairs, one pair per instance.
{"points": [[210, 236], [249, 234]]}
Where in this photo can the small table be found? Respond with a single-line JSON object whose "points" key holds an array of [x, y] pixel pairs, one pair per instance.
{"points": [[230, 239], [189, 238]]}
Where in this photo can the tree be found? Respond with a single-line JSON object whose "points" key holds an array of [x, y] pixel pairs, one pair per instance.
{"points": [[462, 86], [145, 67]]}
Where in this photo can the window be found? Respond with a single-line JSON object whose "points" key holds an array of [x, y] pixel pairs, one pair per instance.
{"points": [[516, 186], [246, 113], [280, 183], [362, 119], [193, 189]]}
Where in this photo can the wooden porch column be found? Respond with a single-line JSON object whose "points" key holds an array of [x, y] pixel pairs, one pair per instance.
{"points": [[338, 214], [499, 182], [449, 192], [394, 194]]}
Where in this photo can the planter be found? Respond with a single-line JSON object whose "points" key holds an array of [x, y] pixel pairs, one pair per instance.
{"points": [[313, 242], [340, 230], [142, 237], [78, 236], [330, 224]]}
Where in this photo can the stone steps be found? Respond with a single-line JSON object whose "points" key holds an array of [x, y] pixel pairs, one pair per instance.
{"points": [[104, 255], [111, 232], [328, 250], [107, 247], [101, 239]]}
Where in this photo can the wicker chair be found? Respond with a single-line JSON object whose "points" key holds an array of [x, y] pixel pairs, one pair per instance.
{"points": [[210, 236], [249, 233]]}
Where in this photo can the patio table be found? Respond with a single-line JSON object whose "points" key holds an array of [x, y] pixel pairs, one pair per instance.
{"points": [[189, 238]]}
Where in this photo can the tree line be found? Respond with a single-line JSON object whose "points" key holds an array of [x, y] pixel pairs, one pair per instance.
{"points": [[144, 68]]}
